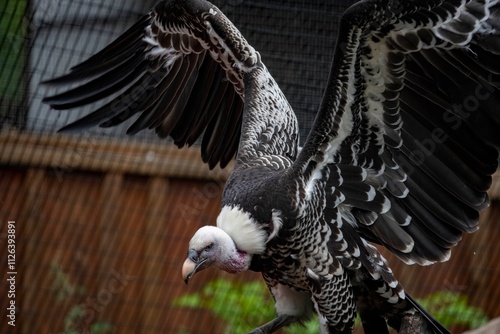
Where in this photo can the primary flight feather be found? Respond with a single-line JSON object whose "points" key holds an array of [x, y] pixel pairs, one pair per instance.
{"points": [[400, 154]]}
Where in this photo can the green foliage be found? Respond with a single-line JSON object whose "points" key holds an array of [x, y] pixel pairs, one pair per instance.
{"points": [[62, 285], [240, 305], [309, 327], [243, 306], [64, 289], [75, 315], [451, 308]]}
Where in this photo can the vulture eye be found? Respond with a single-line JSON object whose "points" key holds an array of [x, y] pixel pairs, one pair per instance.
{"points": [[209, 247]]}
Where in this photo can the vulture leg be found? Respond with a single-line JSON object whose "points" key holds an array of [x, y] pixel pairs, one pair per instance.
{"points": [[414, 324], [275, 324], [417, 322]]}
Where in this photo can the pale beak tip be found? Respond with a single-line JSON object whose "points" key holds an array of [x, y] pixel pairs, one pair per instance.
{"points": [[188, 270]]}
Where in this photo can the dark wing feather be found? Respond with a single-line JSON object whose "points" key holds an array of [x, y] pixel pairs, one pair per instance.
{"points": [[113, 55], [185, 70], [206, 77], [413, 101], [102, 86]]}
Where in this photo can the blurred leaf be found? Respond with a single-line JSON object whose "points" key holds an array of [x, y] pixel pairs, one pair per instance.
{"points": [[309, 327], [101, 327], [191, 301], [451, 308], [62, 285]]}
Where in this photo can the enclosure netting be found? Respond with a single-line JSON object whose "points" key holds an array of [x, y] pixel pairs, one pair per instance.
{"points": [[295, 39], [101, 251]]}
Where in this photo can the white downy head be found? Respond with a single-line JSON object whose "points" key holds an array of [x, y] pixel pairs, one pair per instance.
{"points": [[210, 246]]}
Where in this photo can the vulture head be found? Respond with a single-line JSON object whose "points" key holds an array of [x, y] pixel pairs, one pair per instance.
{"points": [[212, 247]]}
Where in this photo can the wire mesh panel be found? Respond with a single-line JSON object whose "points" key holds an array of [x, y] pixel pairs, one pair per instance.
{"points": [[65, 33], [295, 39], [102, 220]]}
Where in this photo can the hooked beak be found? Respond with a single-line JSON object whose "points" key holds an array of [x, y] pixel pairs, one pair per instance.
{"points": [[192, 265]]}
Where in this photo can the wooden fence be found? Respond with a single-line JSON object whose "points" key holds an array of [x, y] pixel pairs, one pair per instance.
{"points": [[102, 228]]}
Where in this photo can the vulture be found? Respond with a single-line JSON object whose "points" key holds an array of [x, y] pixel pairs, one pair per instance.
{"points": [[400, 154]]}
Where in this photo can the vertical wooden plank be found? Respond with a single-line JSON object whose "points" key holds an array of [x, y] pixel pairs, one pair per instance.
{"points": [[110, 192], [154, 253], [131, 251], [31, 257], [121, 274], [104, 301]]}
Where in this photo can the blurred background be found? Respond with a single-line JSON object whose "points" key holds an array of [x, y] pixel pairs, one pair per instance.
{"points": [[102, 220]]}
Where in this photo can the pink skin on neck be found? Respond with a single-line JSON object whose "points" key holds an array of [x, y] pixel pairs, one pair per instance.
{"points": [[237, 263]]}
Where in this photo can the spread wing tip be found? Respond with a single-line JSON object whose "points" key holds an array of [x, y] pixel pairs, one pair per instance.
{"points": [[174, 72]]}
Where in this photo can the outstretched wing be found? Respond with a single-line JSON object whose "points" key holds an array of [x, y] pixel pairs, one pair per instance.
{"points": [[407, 132], [187, 72]]}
